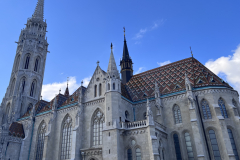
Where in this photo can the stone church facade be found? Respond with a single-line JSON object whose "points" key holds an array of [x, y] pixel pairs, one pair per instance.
{"points": [[180, 111]]}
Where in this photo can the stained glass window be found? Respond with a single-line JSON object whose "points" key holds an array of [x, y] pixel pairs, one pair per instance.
{"points": [[98, 121], [66, 138], [214, 145], [222, 108], [177, 114], [138, 154], [189, 146], [233, 144], [40, 141], [206, 110], [177, 147]]}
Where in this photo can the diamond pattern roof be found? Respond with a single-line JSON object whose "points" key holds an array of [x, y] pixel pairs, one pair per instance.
{"points": [[171, 78], [16, 129]]}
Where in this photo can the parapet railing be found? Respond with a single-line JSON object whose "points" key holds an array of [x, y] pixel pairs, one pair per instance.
{"points": [[135, 124]]}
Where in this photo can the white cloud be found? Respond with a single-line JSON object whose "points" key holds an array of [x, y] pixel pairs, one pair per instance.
{"points": [[140, 33], [163, 63], [156, 24], [140, 70], [227, 68], [50, 90]]}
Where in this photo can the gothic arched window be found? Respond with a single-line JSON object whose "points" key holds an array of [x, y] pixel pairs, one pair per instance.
{"points": [[7, 113], [100, 89], [32, 88], [177, 147], [214, 144], [12, 87], [36, 66], [177, 114], [129, 154], [40, 141], [17, 62], [95, 91], [98, 120], [66, 138], [206, 110], [233, 144], [108, 86], [222, 108], [27, 62], [113, 86], [138, 154], [189, 146]]}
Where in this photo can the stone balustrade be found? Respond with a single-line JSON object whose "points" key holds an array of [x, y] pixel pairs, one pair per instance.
{"points": [[135, 124]]}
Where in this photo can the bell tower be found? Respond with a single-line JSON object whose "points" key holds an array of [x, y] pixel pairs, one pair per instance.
{"points": [[126, 63], [26, 79]]}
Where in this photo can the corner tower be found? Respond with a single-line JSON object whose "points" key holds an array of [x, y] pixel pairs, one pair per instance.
{"points": [[26, 79], [126, 63]]}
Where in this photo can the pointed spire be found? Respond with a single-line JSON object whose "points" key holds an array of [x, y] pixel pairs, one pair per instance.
{"points": [[39, 10], [112, 67], [66, 91], [125, 48]]}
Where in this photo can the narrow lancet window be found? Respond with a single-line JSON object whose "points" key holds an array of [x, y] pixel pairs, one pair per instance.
{"points": [[17, 63], [177, 147], [66, 138], [32, 89], [222, 108], [233, 144], [189, 146], [113, 86], [138, 154], [129, 154], [12, 87], [100, 89], [177, 114], [23, 85], [95, 91], [36, 65], [206, 110], [214, 145], [108, 86], [40, 141], [27, 62]]}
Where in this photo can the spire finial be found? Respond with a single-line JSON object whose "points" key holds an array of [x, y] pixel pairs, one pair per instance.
{"points": [[98, 63], [59, 90], [82, 83], [38, 13], [111, 46], [191, 51], [67, 81]]}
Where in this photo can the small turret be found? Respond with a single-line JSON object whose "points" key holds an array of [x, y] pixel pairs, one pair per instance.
{"points": [[66, 93]]}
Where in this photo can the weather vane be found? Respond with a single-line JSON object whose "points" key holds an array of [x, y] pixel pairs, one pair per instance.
{"points": [[124, 30]]}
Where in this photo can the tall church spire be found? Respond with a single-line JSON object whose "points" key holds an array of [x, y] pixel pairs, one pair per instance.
{"points": [[39, 10], [126, 63], [112, 67]]}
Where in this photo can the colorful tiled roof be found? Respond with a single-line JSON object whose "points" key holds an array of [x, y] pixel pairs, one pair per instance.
{"points": [[171, 78], [125, 92], [16, 129], [74, 97]]}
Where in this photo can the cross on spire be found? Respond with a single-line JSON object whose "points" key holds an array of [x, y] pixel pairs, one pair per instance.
{"points": [[191, 51], [98, 63]]}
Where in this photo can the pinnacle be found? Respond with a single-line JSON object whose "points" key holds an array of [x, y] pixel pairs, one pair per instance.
{"points": [[39, 10], [112, 67]]}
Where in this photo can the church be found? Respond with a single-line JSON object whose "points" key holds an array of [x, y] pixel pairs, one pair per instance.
{"points": [[180, 111]]}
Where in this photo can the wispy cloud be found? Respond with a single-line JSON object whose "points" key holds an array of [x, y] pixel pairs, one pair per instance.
{"points": [[227, 68], [140, 70], [51, 89], [163, 63], [142, 32]]}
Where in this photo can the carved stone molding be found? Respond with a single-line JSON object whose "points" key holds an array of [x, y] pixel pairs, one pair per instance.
{"points": [[91, 152], [68, 109], [94, 102], [135, 132], [14, 139], [203, 92]]}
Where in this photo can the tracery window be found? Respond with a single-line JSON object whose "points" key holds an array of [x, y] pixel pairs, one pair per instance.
{"points": [[222, 108], [100, 89], [66, 138], [214, 145], [189, 146], [40, 141], [138, 154], [206, 110], [36, 64], [177, 114], [27, 62], [129, 154], [12, 87], [95, 91], [98, 120], [32, 88], [177, 147], [233, 144]]}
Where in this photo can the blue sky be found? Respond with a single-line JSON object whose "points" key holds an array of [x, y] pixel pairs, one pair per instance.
{"points": [[80, 34]]}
